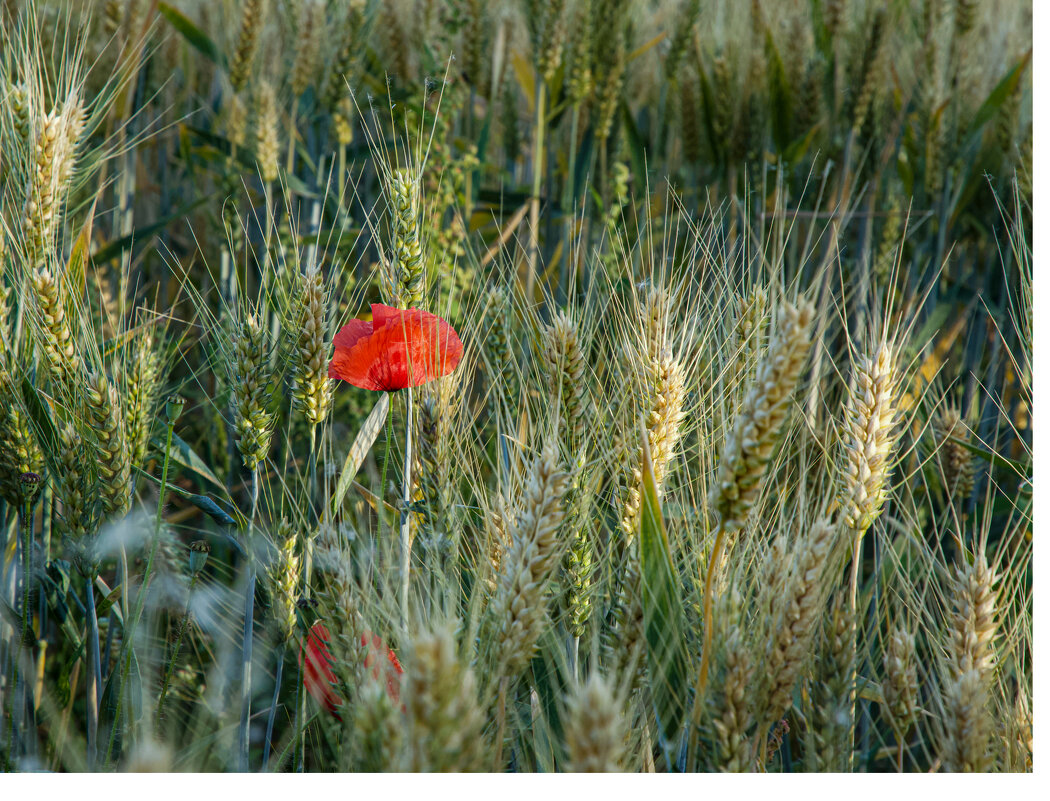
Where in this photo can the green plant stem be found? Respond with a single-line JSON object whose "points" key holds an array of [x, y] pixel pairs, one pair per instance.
{"points": [[27, 573], [854, 580], [537, 183], [705, 654], [249, 630], [246, 668], [94, 674], [290, 165], [183, 625], [569, 206], [270, 222], [278, 675], [386, 463], [501, 717], [19, 694], [299, 752], [140, 599], [47, 507], [406, 499], [308, 566]]}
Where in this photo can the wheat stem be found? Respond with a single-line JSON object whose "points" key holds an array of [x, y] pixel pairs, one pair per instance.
{"points": [[127, 644], [249, 624], [406, 499], [705, 658], [501, 718], [268, 746], [537, 182], [94, 674]]}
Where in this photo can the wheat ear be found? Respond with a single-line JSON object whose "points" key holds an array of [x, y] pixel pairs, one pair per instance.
{"points": [[443, 720], [519, 609], [595, 728], [792, 639], [252, 19], [750, 447], [106, 414]]}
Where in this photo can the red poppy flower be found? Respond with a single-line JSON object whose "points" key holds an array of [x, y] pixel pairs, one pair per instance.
{"points": [[319, 678], [392, 670], [397, 349]]}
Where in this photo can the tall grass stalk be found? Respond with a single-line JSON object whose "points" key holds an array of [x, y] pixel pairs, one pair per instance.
{"points": [[406, 515], [128, 642], [243, 738]]}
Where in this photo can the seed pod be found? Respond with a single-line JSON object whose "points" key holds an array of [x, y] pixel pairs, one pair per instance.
{"points": [[199, 550]]}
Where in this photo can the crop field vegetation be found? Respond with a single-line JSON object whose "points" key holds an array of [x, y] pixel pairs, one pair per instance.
{"points": [[516, 386]]}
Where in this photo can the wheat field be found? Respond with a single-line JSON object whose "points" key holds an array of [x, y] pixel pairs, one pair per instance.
{"points": [[516, 386]]}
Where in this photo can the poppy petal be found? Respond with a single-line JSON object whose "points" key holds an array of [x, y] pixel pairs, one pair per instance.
{"points": [[350, 333], [382, 663], [381, 314], [354, 365], [318, 676], [415, 347], [404, 348]]}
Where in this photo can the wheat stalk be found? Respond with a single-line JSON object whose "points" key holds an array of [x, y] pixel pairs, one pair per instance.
{"points": [[106, 413], [247, 44], [248, 377], [53, 157], [308, 33], [267, 145], [141, 388], [56, 336], [732, 705], [403, 276], [955, 460], [595, 728], [750, 446], [565, 365], [900, 687], [518, 610], [311, 388], [830, 692], [756, 429], [444, 723], [283, 580], [792, 637]]}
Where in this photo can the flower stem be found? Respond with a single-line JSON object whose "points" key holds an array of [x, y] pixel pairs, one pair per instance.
{"points": [[183, 625], [406, 497], [569, 206], [386, 464]]}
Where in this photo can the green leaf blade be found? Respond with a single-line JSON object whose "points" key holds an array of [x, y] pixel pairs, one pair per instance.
{"points": [[663, 612]]}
